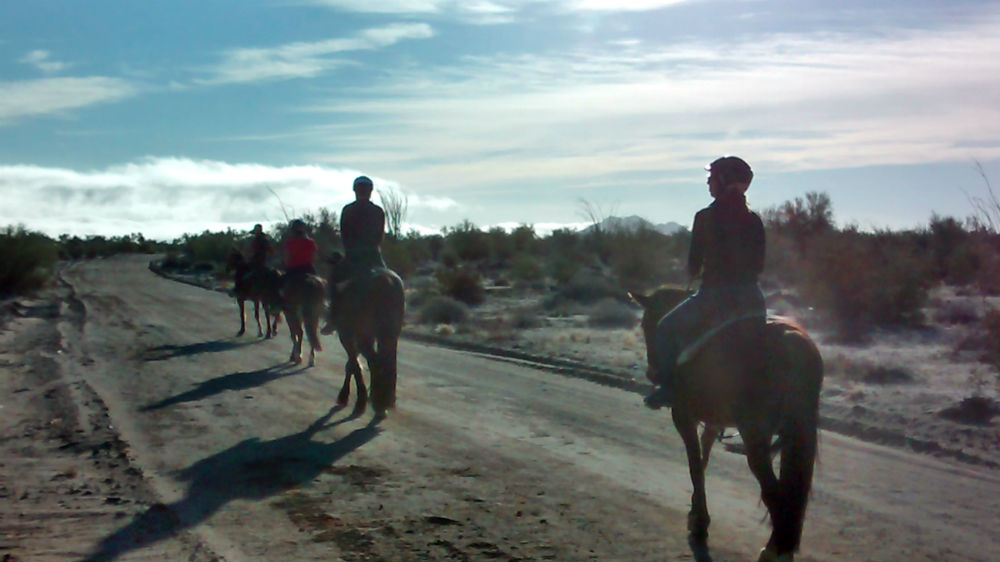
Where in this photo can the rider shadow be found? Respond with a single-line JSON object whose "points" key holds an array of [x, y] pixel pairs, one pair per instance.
{"points": [[252, 469], [163, 352], [232, 381]]}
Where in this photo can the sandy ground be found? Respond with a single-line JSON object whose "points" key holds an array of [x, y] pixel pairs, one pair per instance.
{"points": [[136, 427]]}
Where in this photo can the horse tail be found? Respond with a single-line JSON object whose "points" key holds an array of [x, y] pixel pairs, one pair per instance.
{"points": [[798, 435], [391, 303], [312, 307]]}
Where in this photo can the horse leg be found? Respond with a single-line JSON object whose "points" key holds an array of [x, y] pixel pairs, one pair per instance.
{"points": [[377, 388], [698, 518], [352, 370], [311, 320], [709, 435], [798, 436], [256, 316], [243, 317], [295, 332], [758, 451], [385, 398]]}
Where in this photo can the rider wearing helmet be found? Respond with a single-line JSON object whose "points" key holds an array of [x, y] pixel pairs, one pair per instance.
{"points": [[727, 253], [362, 229]]}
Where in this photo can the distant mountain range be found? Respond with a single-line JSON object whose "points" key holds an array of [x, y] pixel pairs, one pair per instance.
{"points": [[633, 223]]}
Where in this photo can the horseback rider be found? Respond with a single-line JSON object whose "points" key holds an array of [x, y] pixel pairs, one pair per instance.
{"points": [[299, 252], [362, 229], [260, 252], [727, 253]]}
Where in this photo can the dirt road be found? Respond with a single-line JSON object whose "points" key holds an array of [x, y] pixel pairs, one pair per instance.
{"points": [[136, 427]]}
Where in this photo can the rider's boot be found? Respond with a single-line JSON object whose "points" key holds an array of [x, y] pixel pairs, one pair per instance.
{"points": [[662, 396]]}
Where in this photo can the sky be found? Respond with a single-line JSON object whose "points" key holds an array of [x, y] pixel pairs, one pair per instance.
{"points": [[166, 117]]}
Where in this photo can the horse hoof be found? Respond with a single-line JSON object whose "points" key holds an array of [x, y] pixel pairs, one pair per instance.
{"points": [[768, 554], [381, 415]]}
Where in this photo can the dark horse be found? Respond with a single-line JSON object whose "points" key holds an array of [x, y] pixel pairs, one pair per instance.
{"points": [[301, 298], [254, 286], [728, 383], [368, 317]]}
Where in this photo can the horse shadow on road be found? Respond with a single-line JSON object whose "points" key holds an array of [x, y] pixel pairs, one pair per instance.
{"points": [[164, 352], [252, 469], [241, 380]]}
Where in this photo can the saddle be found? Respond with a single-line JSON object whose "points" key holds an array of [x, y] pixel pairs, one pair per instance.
{"points": [[689, 352]]}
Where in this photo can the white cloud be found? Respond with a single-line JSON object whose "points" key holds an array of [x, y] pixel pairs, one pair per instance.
{"points": [[40, 60], [472, 11], [799, 102], [165, 197], [623, 5], [308, 59], [57, 95]]}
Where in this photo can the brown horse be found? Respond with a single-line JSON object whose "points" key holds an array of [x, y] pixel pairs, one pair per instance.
{"points": [[368, 317], [254, 286], [766, 388], [301, 298]]}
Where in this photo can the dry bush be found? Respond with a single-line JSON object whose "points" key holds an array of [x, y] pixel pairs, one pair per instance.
{"points": [[526, 268], [28, 260], [991, 337], [883, 375], [975, 410], [611, 313], [589, 287], [461, 283], [862, 281], [443, 310], [956, 313], [525, 318]]}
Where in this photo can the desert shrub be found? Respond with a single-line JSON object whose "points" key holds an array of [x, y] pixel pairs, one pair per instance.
{"points": [[443, 310], [563, 268], [525, 318], [956, 313], [863, 281], [526, 268], [28, 262], [210, 246], [641, 258], [881, 375], [397, 258], [468, 242], [611, 313], [501, 244], [589, 287], [975, 410], [986, 247], [990, 337], [461, 283]]}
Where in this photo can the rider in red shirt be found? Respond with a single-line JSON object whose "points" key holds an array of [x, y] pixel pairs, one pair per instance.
{"points": [[299, 256]]}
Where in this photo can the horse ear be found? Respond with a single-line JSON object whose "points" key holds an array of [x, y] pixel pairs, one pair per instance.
{"points": [[641, 299]]}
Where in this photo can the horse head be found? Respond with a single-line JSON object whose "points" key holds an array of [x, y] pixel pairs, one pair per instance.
{"points": [[655, 305], [235, 259]]}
